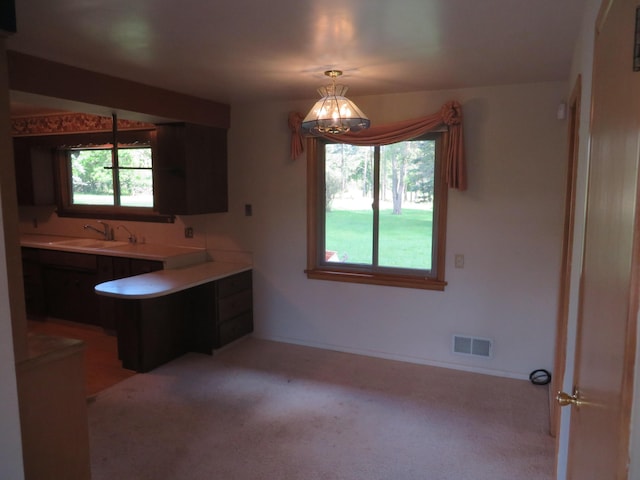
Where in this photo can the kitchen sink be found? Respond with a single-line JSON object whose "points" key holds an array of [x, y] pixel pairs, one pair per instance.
{"points": [[89, 243]]}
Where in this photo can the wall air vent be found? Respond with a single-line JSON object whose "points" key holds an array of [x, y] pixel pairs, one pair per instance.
{"points": [[477, 347]]}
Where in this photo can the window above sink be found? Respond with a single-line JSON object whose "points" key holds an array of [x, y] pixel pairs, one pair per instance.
{"points": [[96, 180], [91, 182]]}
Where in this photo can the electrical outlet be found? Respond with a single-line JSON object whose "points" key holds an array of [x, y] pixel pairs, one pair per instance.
{"points": [[248, 210], [188, 232], [459, 260]]}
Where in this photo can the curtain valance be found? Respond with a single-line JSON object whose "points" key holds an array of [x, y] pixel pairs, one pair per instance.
{"points": [[450, 115]]}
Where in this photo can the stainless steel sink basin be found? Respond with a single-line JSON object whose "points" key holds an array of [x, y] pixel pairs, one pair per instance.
{"points": [[89, 243]]}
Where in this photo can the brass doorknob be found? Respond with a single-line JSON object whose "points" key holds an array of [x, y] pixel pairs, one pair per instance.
{"points": [[565, 399]]}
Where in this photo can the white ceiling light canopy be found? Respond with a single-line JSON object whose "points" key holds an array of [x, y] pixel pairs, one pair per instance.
{"points": [[334, 113]]}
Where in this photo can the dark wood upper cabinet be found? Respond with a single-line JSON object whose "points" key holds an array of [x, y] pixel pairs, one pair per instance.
{"points": [[34, 173], [190, 169]]}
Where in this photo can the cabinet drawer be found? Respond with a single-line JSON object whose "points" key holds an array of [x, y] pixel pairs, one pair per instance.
{"points": [[79, 261], [234, 305], [236, 283], [233, 329]]}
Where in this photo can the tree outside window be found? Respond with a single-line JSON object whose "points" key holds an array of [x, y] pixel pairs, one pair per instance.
{"points": [[95, 180]]}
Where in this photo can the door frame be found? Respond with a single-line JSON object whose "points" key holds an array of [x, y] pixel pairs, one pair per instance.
{"points": [[564, 288]]}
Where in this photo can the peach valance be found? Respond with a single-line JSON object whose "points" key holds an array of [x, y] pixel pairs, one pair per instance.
{"points": [[450, 116]]}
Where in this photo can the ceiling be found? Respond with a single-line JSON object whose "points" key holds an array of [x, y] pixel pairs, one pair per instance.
{"points": [[250, 50]]}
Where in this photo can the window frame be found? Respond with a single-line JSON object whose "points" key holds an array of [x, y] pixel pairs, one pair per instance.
{"points": [[66, 207], [318, 268]]}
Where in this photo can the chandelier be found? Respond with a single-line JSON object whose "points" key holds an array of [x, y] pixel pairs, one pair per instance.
{"points": [[334, 113]]}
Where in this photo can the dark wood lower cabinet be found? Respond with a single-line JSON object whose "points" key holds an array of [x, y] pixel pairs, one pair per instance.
{"points": [[34, 294], [152, 331], [231, 330], [68, 280], [70, 295], [156, 330], [61, 284], [116, 268], [233, 308]]}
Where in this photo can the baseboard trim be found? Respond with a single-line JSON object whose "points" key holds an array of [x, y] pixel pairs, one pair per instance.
{"points": [[400, 358]]}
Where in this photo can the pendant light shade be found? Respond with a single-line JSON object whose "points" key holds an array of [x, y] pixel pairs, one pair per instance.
{"points": [[334, 113]]}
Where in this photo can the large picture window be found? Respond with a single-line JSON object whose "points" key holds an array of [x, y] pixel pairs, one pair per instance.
{"points": [[377, 214]]}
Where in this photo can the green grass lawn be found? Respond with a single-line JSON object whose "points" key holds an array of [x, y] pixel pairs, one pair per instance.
{"points": [[405, 240]]}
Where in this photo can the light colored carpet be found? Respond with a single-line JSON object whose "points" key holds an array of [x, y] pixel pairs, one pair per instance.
{"points": [[272, 411]]}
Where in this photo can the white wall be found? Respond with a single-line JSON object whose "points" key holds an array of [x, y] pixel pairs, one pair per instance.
{"points": [[10, 439], [508, 225]]}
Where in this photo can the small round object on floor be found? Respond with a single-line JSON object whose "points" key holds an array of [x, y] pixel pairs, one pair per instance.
{"points": [[540, 377]]}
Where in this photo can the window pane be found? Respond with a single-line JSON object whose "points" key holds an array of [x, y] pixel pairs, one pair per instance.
{"points": [[92, 184], [348, 199], [134, 157], [136, 186], [406, 204]]}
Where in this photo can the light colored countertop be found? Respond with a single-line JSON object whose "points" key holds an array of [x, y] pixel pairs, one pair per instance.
{"points": [[172, 256], [43, 349], [165, 282]]}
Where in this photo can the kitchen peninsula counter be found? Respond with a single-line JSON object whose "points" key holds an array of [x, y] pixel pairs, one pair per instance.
{"points": [[164, 314], [166, 282]]}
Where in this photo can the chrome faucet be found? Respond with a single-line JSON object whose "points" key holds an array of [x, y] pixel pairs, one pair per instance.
{"points": [[132, 237], [107, 233]]}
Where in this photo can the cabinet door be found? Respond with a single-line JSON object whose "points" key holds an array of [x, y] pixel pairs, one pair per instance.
{"points": [[121, 268], [190, 169], [105, 268], [33, 284], [202, 314], [70, 295], [34, 173], [170, 169]]}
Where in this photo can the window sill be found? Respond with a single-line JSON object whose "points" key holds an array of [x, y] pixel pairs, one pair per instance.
{"points": [[404, 281]]}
